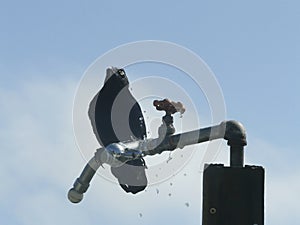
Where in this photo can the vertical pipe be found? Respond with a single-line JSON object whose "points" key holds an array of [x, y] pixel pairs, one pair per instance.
{"points": [[236, 156]]}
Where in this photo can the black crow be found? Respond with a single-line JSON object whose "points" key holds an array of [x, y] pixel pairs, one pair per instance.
{"points": [[116, 116]]}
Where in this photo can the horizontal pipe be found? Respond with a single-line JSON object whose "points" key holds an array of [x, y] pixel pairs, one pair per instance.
{"points": [[170, 143]]}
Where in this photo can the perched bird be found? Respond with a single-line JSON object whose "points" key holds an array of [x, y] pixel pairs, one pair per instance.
{"points": [[116, 116]]}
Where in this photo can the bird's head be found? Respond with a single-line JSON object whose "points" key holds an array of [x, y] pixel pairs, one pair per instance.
{"points": [[117, 75]]}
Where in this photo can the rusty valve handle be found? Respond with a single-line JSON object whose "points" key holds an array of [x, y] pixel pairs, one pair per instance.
{"points": [[168, 106]]}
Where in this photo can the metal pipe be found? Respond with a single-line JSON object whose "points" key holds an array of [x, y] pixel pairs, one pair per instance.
{"points": [[82, 183], [232, 131], [236, 156], [170, 143]]}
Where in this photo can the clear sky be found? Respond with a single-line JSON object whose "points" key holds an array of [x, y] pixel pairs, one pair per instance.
{"points": [[251, 46]]}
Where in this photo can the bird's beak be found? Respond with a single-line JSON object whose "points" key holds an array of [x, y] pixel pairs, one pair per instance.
{"points": [[109, 73]]}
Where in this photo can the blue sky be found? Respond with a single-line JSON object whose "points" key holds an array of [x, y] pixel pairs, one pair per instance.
{"points": [[252, 47]]}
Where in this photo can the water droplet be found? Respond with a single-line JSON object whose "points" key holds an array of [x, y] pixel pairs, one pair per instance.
{"points": [[187, 204], [170, 157], [156, 175], [140, 214], [181, 156], [157, 191], [184, 174], [171, 184], [170, 194]]}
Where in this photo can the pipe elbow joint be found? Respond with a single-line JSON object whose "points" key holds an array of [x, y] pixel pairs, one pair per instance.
{"points": [[235, 133]]}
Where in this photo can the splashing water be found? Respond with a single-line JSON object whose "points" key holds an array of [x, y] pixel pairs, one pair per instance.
{"points": [[141, 119], [170, 157]]}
